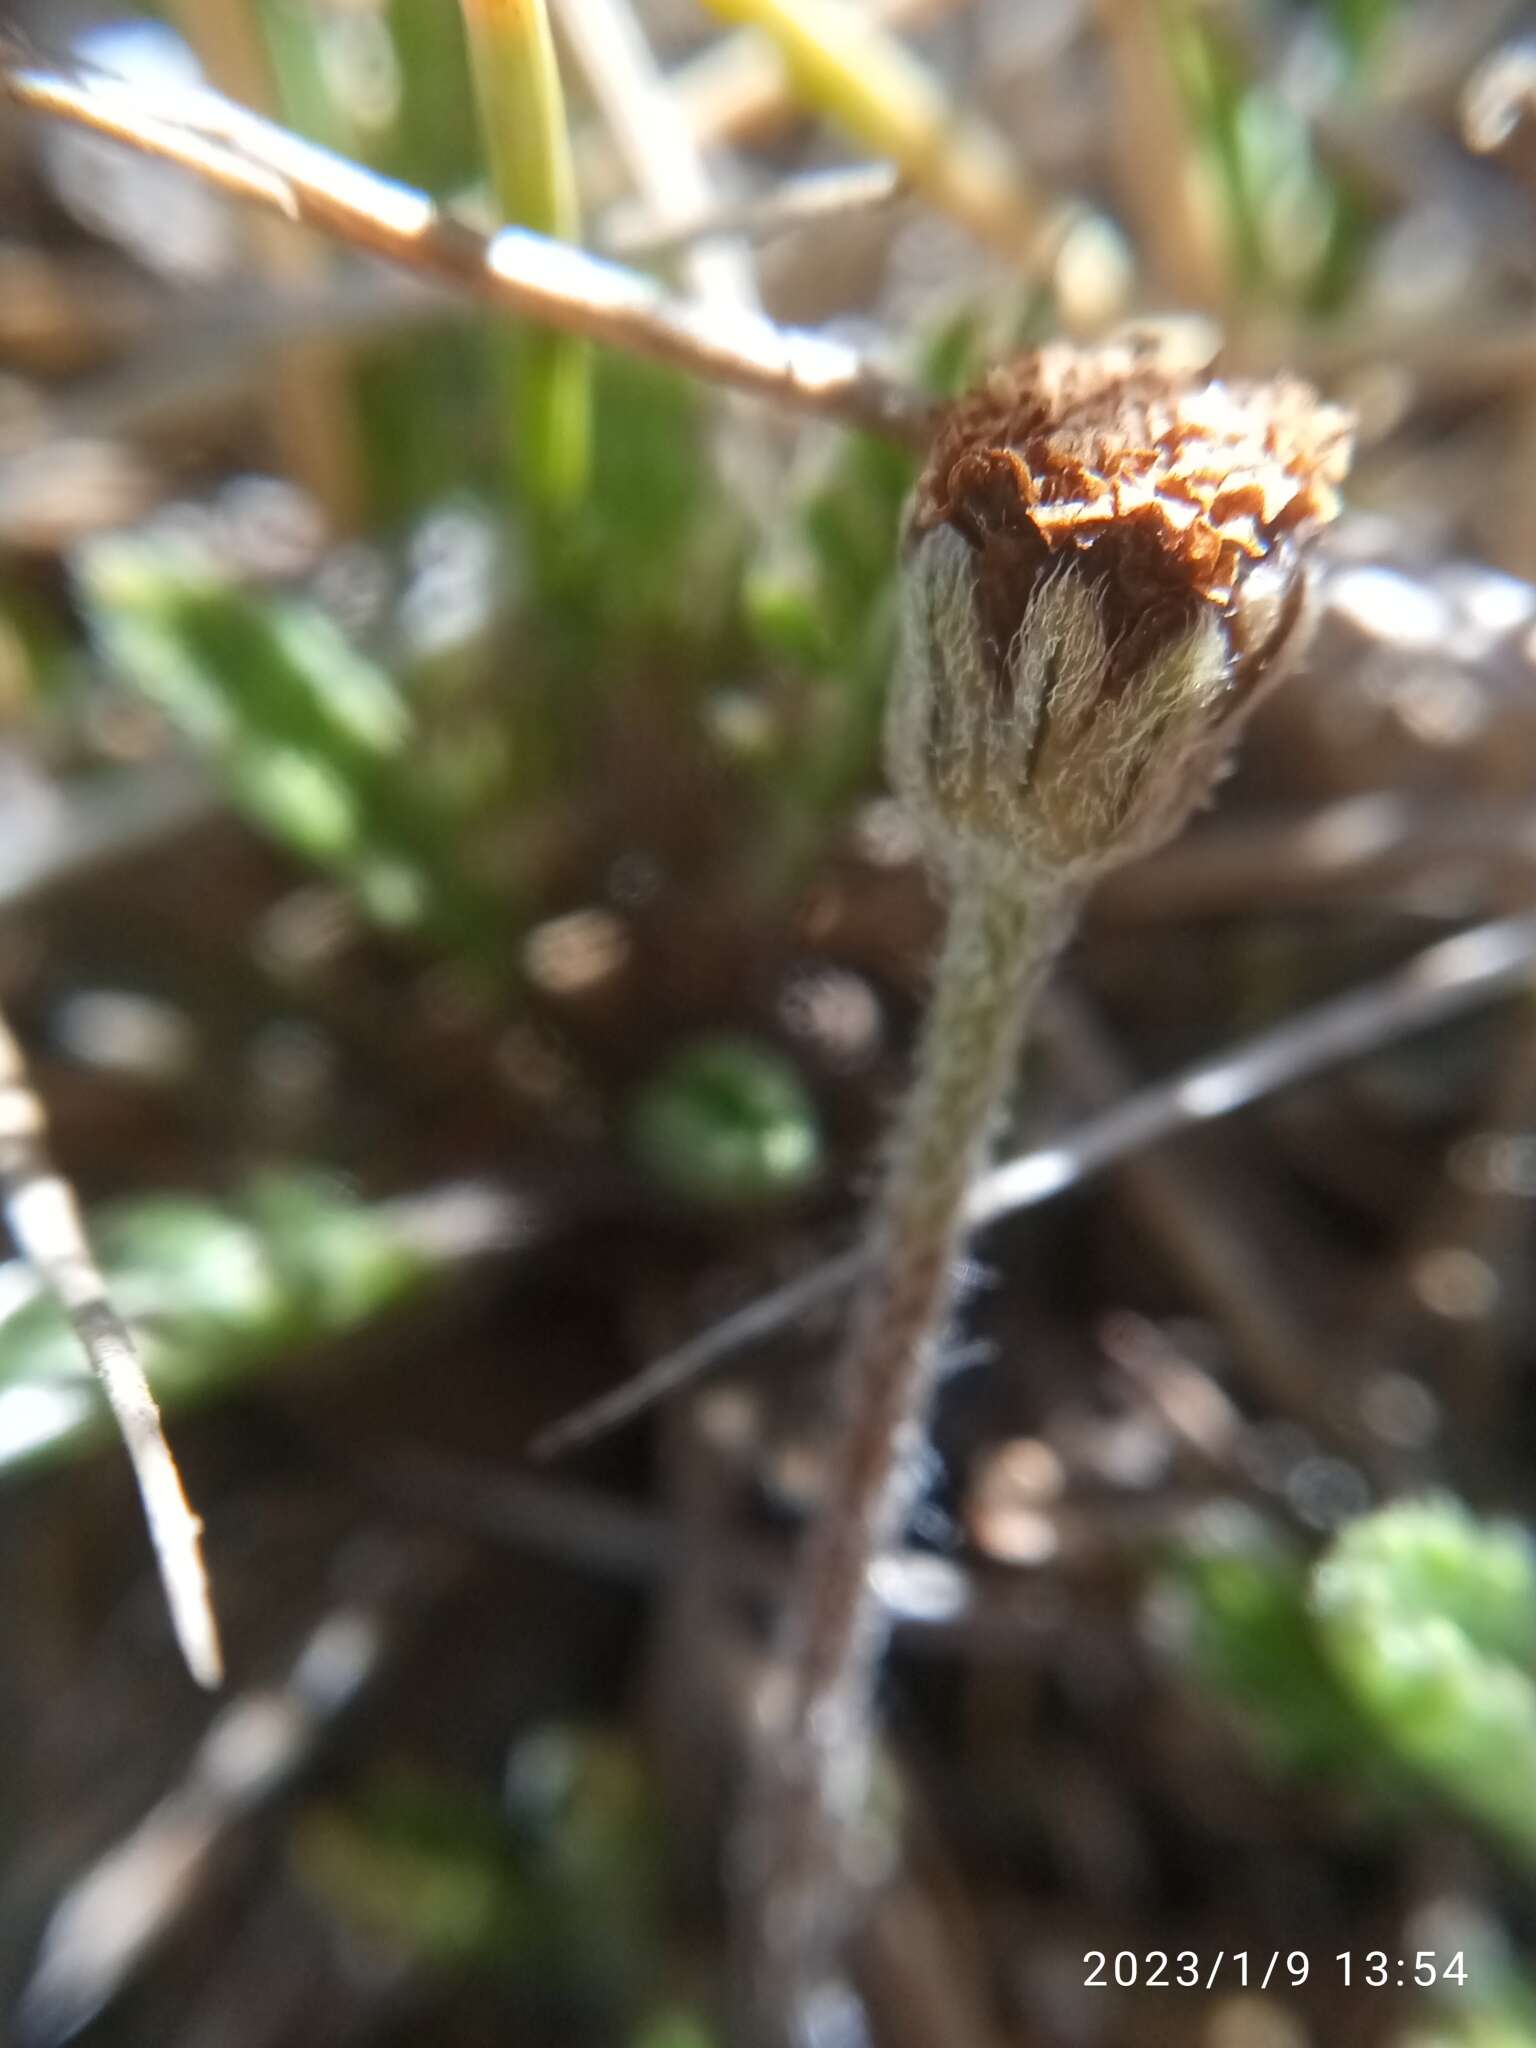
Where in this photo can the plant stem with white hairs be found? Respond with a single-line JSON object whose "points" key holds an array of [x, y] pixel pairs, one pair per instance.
{"points": [[801, 1838], [1084, 626]]}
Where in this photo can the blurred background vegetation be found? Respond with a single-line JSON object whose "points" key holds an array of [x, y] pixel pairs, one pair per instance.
{"points": [[450, 901]]}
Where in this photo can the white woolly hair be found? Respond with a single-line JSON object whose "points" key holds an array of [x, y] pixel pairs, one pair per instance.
{"points": [[1043, 772]]}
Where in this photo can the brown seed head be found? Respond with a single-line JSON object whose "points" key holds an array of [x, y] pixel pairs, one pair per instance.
{"points": [[1104, 570]]}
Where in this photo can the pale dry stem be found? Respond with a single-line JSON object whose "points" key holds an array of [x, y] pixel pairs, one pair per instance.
{"points": [[44, 1220], [515, 271]]}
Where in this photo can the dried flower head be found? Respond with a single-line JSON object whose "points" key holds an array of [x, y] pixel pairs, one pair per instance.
{"points": [[1104, 571]]}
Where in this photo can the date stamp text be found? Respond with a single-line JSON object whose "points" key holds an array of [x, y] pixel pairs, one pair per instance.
{"points": [[1258, 1970]]}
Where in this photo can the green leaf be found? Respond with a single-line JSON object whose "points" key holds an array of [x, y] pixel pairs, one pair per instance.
{"points": [[533, 182], [673, 2028], [1428, 1616], [1494, 2008], [424, 1868], [727, 1121], [821, 597], [1298, 232], [652, 551], [389, 87], [562, 1894], [1360, 26], [1249, 1638], [313, 742], [586, 1821]]}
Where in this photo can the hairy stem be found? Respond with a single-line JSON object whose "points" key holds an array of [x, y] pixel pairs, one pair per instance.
{"points": [[801, 1836]]}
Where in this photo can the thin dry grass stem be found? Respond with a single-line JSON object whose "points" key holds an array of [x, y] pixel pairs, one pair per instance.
{"points": [[595, 1530], [674, 1370], [1198, 1217], [923, 1987], [198, 358], [1513, 541], [738, 89], [94, 1944], [742, 86], [44, 1221], [704, 1652], [1161, 177], [866, 79], [90, 827], [519, 272], [1400, 368], [658, 149], [1441, 360], [1445, 980], [1437, 1311], [798, 202], [1185, 1398], [1375, 848], [308, 411], [1496, 119]]}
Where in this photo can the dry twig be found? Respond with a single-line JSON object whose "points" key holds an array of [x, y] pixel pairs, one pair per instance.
{"points": [[658, 148], [119, 1909], [44, 1220], [515, 271], [1444, 981]]}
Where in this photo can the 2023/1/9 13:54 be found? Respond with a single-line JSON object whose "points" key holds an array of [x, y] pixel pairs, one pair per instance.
{"points": [[1188, 1970]]}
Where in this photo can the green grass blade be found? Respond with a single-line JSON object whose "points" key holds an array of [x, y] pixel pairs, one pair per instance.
{"points": [[522, 118]]}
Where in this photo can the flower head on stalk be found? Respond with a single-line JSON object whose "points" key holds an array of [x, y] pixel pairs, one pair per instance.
{"points": [[1104, 572]]}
